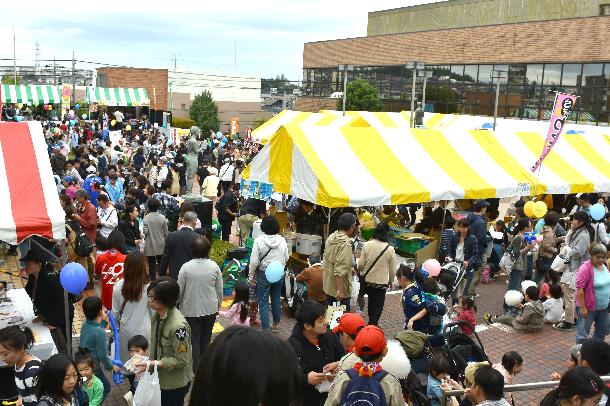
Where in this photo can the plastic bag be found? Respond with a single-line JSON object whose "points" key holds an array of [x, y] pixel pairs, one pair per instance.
{"points": [[148, 392], [353, 301]]}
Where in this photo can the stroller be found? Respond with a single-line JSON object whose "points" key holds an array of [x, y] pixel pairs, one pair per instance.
{"points": [[461, 349], [295, 293], [450, 277]]}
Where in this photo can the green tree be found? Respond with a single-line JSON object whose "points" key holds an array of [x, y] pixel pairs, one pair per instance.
{"points": [[205, 112], [10, 80], [258, 123], [281, 83], [361, 96], [445, 99]]}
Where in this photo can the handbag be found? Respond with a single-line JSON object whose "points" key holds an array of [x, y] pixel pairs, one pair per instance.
{"points": [[362, 278], [508, 260], [148, 392]]}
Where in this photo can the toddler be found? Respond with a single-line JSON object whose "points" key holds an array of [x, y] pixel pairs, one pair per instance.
{"points": [[93, 387], [240, 308]]}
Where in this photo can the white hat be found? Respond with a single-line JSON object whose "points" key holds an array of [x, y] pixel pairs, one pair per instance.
{"points": [[91, 169]]}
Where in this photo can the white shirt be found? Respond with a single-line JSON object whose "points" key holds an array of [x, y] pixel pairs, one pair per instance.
{"points": [[226, 172], [459, 251], [162, 175], [109, 220], [118, 115], [553, 308]]}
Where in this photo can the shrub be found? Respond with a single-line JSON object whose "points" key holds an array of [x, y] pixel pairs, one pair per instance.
{"points": [[182, 122]]}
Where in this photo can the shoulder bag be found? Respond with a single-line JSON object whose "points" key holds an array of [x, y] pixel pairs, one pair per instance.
{"points": [[362, 278]]}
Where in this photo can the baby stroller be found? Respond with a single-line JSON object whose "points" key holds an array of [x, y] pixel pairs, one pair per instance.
{"points": [[461, 349], [450, 277], [295, 292]]}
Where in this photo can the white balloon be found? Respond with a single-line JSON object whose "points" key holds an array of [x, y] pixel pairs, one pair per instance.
{"points": [[527, 284], [396, 361], [513, 297]]}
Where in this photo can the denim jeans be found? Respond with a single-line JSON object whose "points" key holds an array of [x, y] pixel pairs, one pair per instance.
{"points": [[264, 291], [601, 318], [514, 283], [99, 372], [468, 277], [174, 397]]}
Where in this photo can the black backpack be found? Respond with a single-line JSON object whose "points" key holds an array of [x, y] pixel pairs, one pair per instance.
{"points": [[82, 246]]}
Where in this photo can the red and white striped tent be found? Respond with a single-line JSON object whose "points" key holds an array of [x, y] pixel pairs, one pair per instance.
{"points": [[29, 204]]}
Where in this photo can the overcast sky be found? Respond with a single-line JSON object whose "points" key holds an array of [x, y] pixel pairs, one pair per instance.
{"points": [[269, 33]]}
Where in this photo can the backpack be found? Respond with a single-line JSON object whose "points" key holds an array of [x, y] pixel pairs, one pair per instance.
{"points": [[364, 390], [82, 246]]}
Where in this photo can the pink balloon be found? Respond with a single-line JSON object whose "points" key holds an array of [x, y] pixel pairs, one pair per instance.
{"points": [[433, 267], [539, 238]]}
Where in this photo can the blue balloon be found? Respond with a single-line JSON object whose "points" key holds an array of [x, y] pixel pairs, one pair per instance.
{"points": [[72, 122], [76, 106], [73, 277], [597, 212], [18, 118], [274, 272]]}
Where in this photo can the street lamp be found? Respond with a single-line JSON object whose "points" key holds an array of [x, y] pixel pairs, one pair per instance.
{"points": [[497, 74], [425, 74], [414, 66], [345, 69]]}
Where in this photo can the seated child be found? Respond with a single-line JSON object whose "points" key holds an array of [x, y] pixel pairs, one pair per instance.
{"points": [[93, 387], [371, 346], [439, 380], [553, 305], [137, 345], [531, 317], [572, 361], [349, 326], [467, 312], [240, 308]]}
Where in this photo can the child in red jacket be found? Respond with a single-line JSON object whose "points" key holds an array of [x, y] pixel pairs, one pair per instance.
{"points": [[467, 312]]}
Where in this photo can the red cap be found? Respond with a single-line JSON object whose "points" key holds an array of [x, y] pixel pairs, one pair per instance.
{"points": [[349, 323], [370, 341]]}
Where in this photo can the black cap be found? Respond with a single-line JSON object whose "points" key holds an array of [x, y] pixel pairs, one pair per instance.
{"points": [[479, 204], [35, 254]]}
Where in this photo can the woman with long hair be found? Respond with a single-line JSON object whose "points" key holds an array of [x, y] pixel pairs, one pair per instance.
{"points": [[130, 304], [579, 238], [579, 386]]}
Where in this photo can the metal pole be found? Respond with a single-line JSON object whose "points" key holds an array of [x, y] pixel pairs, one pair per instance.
{"points": [[497, 98], [73, 79], [413, 96], [54, 72], [344, 89], [423, 97], [68, 326], [284, 101], [235, 56], [14, 58]]}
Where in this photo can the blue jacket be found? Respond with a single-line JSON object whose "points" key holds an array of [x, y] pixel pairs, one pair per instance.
{"points": [[471, 251], [413, 301], [478, 228]]}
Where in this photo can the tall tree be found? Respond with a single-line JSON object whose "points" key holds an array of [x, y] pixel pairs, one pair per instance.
{"points": [[10, 80], [361, 96], [204, 112]]}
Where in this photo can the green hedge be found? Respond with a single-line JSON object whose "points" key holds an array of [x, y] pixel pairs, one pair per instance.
{"points": [[182, 122], [218, 253]]}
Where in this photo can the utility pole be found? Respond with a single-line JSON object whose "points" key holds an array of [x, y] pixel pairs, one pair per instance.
{"points": [[54, 72], [345, 69], [14, 57], [175, 62], [284, 101], [414, 66], [73, 79], [37, 55], [497, 75], [235, 56]]}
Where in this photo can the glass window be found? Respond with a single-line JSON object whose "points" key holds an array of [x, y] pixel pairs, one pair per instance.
{"points": [[607, 71], [485, 73], [516, 73], [470, 73], [442, 73], [552, 74], [457, 71], [534, 73], [592, 75], [571, 74]]}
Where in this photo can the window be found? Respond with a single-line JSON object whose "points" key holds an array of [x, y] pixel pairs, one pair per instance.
{"points": [[183, 106], [101, 80], [552, 74], [571, 74], [533, 73], [470, 73], [485, 73], [516, 74]]}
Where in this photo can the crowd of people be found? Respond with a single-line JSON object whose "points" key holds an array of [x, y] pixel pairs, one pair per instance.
{"points": [[128, 224]]}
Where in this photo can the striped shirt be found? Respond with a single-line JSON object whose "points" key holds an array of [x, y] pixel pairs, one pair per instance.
{"points": [[26, 379]]}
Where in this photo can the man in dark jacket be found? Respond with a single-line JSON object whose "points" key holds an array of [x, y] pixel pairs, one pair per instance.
{"points": [[47, 295], [58, 163], [317, 349], [227, 210], [179, 246], [478, 228]]}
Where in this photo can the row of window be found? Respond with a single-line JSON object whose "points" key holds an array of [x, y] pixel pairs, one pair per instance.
{"points": [[526, 90]]}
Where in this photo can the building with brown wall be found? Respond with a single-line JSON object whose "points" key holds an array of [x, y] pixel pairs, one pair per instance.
{"points": [[537, 58], [154, 80]]}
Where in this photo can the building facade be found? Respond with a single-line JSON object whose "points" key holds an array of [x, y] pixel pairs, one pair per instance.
{"points": [[539, 52]]}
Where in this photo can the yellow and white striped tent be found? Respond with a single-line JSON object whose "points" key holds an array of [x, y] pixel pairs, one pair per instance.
{"points": [[345, 165]]}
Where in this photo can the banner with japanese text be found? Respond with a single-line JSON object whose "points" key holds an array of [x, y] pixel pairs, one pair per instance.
{"points": [[564, 103]]}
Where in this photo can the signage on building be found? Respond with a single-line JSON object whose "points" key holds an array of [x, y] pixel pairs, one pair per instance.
{"points": [[234, 126]]}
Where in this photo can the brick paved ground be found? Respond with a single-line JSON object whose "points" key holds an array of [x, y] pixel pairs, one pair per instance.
{"points": [[543, 352]]}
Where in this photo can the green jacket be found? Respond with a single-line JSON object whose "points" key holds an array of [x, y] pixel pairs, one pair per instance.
{"points": [[170, 342], [338, 261]]}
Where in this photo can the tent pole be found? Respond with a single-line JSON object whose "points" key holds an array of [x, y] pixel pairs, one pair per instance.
{"points": [[438, 249]]}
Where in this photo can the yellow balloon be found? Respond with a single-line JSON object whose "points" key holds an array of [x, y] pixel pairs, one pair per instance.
{"points": [[528, 209], [366, 216], [540, 209], [127, 128], [113, 122]]}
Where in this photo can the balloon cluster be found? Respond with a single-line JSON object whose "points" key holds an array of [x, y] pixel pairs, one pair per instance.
{"points": [[535, 209], [530, 237]]}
